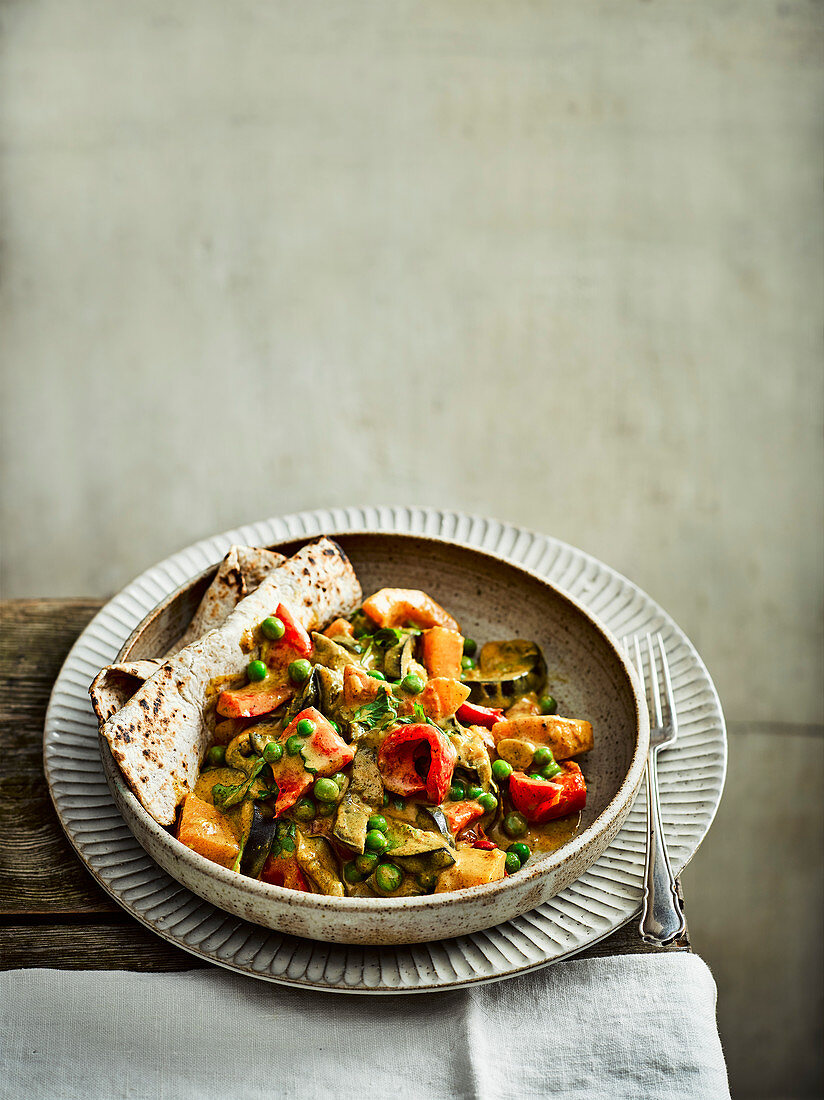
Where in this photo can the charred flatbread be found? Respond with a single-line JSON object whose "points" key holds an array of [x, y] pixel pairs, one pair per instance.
{"points": [[160, 736], [240, 572]]}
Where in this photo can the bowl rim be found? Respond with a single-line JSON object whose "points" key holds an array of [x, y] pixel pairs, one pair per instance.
{"points": [[352, 906]]}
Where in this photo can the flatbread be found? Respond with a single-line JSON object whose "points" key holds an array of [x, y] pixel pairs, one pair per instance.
{"points": [[240, 572], [159, 737], [114, 685]]}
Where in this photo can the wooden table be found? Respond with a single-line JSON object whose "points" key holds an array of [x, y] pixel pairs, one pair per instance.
{"points": [[52, 913]]}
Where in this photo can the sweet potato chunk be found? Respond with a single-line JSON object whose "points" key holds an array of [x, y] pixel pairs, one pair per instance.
{"points": [[359, 688], [340, 628], [205, 830], [565, 736], [442, 696], [441, 651], [397, 606], [472, 867]]}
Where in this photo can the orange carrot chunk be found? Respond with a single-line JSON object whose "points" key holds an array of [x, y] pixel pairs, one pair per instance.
{"points": [[254, 699]]}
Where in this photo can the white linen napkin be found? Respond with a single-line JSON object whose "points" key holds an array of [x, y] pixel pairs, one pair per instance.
{"points": [[632, 1026]]}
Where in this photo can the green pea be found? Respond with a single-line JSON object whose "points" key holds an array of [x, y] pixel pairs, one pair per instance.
{"points": [[535, 775], [339, 778], [375, 841], [488, 801], [457, 792], [216, 755], [377, 821], [548, 705], [501, 769], [470, 647], [305, 727], [412, 683], [512, 863], [388, 877], [521, 850], [304, 809], [543, 756], [326, 809], [367, 862], [468, 662], [256, 670], [352, 873], [551, 770], [474, 793], [294, 744], [272, 752], [300, 671], [326, 790], [515, 824], [273, 628], [376, 675]]}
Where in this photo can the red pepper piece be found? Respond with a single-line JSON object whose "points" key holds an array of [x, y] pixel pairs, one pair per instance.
{"points": [[322, 754], [477, 838], [407, 748], [473, 715], [284, 872], [294, 634], [248, 702], [542, 800], [459, 814]]}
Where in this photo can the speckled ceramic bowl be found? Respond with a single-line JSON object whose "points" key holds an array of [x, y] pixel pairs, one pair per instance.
{"points": [[491, 598]]}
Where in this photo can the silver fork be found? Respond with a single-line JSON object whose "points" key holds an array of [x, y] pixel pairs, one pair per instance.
{"points": [[662, 918]]}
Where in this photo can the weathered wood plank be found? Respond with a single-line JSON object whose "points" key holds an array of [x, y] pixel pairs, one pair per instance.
{"points": [[90, 946], [53, 913], [39, 871]]}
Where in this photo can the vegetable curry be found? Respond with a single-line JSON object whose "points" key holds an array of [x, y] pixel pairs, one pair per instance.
{"points": [[388, 756]]}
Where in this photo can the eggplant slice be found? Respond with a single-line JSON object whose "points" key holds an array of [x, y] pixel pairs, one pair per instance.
{"points": [[258, 843], [506, 670]]}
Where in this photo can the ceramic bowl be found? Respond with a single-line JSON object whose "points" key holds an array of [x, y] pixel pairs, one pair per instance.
{"points": [[490, 598]]}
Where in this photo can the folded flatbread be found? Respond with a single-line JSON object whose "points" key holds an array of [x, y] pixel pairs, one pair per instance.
{"points": [[159, 737], [240, 572]]}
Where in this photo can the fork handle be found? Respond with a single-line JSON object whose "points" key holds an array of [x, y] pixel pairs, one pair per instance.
{"points": [[662, 918]]}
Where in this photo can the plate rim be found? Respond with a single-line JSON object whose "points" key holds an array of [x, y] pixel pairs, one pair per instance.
{"points": [[312, 523]]}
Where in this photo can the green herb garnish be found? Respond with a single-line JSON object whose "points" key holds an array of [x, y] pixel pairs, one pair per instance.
{"points": [[378, 714], [417, 717], [229, 794]]}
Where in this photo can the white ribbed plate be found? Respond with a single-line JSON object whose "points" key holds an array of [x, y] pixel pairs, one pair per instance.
{"points": [[605, 897]]}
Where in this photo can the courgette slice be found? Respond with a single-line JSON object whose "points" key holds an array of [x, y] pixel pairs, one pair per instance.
{"points": [[399, 658], [315, 859]]}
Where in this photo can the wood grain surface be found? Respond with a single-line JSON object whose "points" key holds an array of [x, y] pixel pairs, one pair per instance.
{"points": [[52, 913]]}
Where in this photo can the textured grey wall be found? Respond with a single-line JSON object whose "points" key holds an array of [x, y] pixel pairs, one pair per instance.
{"points": [[559, 264]]}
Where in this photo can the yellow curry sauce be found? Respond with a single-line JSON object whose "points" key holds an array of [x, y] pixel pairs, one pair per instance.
{"points": [[386, 757]]}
